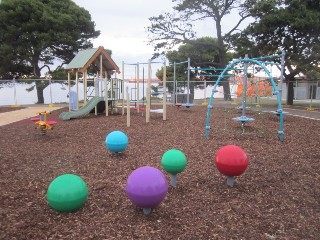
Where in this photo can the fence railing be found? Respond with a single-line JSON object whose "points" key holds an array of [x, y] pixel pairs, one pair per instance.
{"points": [[24, 92]]}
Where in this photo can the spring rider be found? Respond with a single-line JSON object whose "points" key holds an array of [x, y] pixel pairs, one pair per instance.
{"points": [[42, 123]]}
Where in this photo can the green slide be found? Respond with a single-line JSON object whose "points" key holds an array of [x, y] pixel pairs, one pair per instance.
{"points": [[86, 109]]}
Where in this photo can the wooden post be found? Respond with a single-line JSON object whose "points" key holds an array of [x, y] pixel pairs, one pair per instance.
{"points": [[138, 105], [101, 65], [96, 91], [85, 85], [77, 88], [117, 91], [148, 106], [122, 87], [164, 101], [128, 108], [106, 95]]}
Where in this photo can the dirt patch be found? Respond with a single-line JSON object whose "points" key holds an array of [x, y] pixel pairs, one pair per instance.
{"points": [[9, 109], [276, 198]]}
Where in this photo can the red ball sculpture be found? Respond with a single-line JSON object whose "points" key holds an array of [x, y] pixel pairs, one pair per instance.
{"points": [[231, 161]]}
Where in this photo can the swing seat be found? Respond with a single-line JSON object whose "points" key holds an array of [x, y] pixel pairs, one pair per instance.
{"points": [[243, 119], [178, 104], [187, 105], [241, 107], [278, 113]]}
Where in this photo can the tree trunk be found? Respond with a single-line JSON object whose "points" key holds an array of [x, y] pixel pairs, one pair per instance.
{"points": [[36, 69], [222, 60], [226, 90], [40, 87], [191, 98], [290, 91]]}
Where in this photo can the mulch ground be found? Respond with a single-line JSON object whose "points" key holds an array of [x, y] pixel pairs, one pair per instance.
{"points": [[276, 198], [9, 109]]}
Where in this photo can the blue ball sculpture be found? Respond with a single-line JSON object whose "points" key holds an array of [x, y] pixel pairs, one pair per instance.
{"points": [[116, 141]]}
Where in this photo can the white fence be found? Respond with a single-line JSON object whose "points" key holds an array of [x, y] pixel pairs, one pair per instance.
{"points": [[24, 92]]}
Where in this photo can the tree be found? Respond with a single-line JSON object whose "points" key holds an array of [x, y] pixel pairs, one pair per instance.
{"points": [[292, 25], [34, 33], [203, 54], [170, 29]]}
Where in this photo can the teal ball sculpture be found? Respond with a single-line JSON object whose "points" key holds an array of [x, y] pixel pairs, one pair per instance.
{"points": [[116, 141], [67, 193], [174, 161]]}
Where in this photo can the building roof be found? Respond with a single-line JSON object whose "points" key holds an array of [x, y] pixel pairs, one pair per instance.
{"points": [[91, 58]]}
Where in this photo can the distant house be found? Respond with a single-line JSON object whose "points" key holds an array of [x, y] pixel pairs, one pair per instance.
{"points": [[305, 88]]}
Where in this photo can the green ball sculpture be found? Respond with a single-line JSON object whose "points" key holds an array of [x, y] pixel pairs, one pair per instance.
{"points": [[67, 193], [174, 161]]}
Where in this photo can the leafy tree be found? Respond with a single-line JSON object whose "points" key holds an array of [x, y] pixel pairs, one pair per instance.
{"points": [[292, 25], [34, 33], [203, 54], [170, 29]]}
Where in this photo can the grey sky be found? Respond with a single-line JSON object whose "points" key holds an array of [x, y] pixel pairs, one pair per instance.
{"points": [[122, 24]]}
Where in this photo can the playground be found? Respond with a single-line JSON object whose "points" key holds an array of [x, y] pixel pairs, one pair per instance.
{"points": [[275, 198]]}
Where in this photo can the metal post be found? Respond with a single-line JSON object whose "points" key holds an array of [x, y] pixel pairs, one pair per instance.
{"points": [[164, 103], [188, 81], [50, 91], [205, 91], [245, 79], [69, 90], [15, 92]]}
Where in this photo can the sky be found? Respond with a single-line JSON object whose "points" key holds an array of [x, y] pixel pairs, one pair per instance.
{"points": [[123, 27]]}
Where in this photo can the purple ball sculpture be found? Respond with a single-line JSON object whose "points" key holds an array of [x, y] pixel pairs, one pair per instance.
{"points": [[146, 188]]}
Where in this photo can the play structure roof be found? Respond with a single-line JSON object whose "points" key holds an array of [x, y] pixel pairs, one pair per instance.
{"points": [[91, 58]]}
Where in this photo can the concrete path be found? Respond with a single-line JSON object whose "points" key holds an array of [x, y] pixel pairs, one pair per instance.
{"points": [[18, 115], [314, 115]]}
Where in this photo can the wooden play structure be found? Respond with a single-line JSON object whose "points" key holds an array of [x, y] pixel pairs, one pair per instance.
{"points": [[147, 101], [107, 90]]}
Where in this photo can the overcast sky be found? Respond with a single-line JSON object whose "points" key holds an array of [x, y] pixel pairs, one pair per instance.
{"points": [[122, 24]]}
